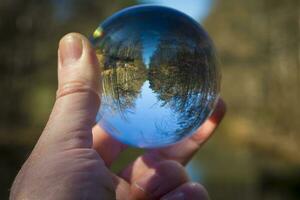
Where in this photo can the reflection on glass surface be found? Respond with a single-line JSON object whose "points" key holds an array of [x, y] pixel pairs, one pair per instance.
{"points": [[159, 75]]}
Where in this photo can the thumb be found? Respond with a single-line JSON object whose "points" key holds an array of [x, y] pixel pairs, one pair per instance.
{"points": [[77, 102]]}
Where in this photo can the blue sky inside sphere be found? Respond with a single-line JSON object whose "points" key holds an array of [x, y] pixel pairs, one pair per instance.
{"points": [[197, 9]]}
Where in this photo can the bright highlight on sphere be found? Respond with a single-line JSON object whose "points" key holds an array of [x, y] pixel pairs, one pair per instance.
{"points": [[159, 76]]}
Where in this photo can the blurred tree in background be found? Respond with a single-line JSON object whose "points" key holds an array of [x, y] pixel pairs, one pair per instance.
{"points": [[258, 43], [255, 156]]}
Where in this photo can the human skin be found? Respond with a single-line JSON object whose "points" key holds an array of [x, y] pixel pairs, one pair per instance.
{"points": [[72, 157]]}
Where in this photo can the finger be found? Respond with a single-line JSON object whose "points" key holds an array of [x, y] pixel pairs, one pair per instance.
{"points": [[122, 188], [77, 103], [191, 191], [107, 147], [158, 181], [181, 152]]}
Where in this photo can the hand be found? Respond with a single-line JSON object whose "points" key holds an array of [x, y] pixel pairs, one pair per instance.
{"points": [[72, 157]]}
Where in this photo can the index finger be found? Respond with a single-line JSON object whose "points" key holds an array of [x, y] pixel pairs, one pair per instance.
{"points": [[106, 146]]}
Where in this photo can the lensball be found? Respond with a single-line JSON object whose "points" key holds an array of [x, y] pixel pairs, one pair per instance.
{"points": [[160, 80]]}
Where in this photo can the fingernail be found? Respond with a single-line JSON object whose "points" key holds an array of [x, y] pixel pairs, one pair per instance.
{"points": [[70, 49], [147, 182], [174, 196]]}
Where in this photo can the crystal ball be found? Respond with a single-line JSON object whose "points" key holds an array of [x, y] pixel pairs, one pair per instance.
{"points": [[160, 80]]}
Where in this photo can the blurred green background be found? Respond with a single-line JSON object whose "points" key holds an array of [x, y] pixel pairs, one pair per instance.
{"points": [[255, 153]]}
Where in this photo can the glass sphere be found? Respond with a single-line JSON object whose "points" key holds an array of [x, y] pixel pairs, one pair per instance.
{"points": [[159, 76]]}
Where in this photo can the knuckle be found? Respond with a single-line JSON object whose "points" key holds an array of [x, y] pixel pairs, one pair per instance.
{"points": [[195, 186], [74, 87], [172, 170], [170, 165], [197, 190]]}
